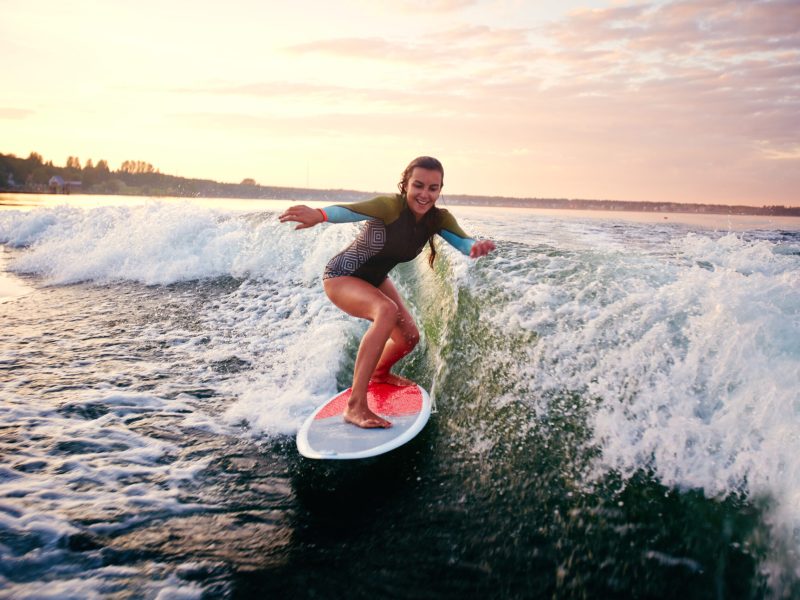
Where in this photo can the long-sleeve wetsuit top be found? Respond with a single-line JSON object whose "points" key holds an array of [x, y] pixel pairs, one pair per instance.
{"points": [[391, 235]]}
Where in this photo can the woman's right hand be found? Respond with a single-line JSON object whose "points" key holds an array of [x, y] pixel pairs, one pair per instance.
{"points": [[305, 215]]}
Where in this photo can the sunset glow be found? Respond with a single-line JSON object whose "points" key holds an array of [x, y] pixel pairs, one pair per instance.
{"points": [[682, 101]]}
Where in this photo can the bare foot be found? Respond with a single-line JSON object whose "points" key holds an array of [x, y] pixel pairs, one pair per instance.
{"points": [[364, 417], [391, 379]]}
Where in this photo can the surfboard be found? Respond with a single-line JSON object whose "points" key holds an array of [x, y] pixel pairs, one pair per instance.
{"points": [[326, 435]]}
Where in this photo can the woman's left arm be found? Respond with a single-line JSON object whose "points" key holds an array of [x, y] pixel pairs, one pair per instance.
{"points": [[481, 248]]}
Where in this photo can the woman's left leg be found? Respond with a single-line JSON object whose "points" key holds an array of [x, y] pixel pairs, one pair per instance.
{"points": [[402, 340]]}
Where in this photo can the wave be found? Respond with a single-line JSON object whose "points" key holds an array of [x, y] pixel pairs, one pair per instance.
{"points": [[155, 244], [687, 355], [673, 351]]}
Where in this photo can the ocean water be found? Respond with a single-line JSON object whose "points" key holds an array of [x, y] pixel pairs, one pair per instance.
{"points": [[617, 396]]}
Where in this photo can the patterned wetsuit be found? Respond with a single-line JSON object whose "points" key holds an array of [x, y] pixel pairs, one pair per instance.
{"points": [[391, 235]]}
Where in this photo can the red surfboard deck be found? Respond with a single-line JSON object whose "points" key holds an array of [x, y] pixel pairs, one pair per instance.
{"points": [[326, 435]]}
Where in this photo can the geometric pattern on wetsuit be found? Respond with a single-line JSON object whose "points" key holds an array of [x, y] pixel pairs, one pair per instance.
{"points": [[392, 235], [366, 245]]}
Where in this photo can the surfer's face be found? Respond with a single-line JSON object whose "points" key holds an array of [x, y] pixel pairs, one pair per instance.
{"points": [[422, 190]]}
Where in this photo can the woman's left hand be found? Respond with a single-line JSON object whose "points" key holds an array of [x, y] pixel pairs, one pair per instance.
{"points": [[481, 248]]}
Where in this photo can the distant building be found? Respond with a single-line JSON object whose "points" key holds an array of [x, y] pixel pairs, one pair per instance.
{"points": [[57, 185]]}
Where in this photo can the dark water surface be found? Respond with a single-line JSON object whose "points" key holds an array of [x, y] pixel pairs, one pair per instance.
{"points": [[433, 519], [147, 425]]}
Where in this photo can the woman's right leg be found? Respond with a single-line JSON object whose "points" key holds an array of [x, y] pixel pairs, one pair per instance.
{"points": [[358, 298]]}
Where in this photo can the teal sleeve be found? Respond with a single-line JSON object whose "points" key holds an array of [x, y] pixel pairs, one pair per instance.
{"points": [[462, 244], [340, 214], [385, 208]]}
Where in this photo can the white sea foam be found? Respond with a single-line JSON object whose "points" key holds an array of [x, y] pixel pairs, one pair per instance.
{"points": [[156, 243], [293, 339], [64, 468], [105, 582], [693, 350], [11, 287], [278, 320]]}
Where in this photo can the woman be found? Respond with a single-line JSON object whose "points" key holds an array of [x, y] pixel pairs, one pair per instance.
{"points": [[356, 279]]}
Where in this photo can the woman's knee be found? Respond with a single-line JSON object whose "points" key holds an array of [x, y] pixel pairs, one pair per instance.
{"points": [[412, 336], [408, 331], [386, 312]]}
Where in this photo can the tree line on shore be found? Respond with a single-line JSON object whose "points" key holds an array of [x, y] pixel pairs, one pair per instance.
{"points": [[140, 178]]}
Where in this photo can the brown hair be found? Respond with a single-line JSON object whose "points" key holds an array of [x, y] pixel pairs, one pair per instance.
{"points": [[431, 218]]}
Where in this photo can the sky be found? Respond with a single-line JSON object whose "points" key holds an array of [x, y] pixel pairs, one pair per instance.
{"points": [[662, 100]]}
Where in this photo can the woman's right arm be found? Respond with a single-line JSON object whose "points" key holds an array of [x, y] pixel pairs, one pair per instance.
{"points": [[302, 214], [308, 217]]}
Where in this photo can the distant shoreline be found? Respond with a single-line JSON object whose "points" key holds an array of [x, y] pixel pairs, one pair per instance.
{"points": [[139, 178], [628, 206], [344, 196]]}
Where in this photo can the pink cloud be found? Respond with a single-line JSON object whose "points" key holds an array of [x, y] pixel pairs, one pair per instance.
{"points": [[680, 95], [373, 47], [441, 6], [15, 113], [461, 44], [687, 57], [483, 36], [675, 26], [708, 66]]}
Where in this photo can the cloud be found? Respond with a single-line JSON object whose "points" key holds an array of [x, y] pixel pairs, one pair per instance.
{"points": [[713, 27], [438, 6], [372, 47], [277, 89], [732, 64], [329, 98], [675, 96], [458, 45], [330, 124], [709, 69], [483, 36], [15, 113]]}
